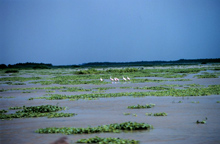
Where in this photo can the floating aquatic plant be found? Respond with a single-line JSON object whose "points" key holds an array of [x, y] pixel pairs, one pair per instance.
{"points": [[37, 111], [141, 106], [129, 126], [108, 140]]}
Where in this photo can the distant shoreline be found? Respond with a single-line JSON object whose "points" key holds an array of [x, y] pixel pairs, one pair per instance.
{"points": [[113, 64]]}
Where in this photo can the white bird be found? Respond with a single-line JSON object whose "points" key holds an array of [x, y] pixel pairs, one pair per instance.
{"points": [[111, 79], [124, 78], [116, 79], [101, 79], [128, 78]]}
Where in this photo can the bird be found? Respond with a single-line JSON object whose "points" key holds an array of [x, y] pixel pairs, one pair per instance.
{"points": [[128, 78], [124, 78], [101, 79], [111, 79], [116, 79]]}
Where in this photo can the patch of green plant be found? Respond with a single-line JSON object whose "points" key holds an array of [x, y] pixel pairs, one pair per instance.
{"points": [[145, 80], [28, 92], [126, 113], [21, 79], [125, 87], [148, 114], [9, 97], [42, 108], [104, 88], [195, 101], [141, 106], [172, 85], [15, 108], [19, 83], [210, 90], [218, 102], [153, 88], [194, 85], [37, 111], [107, 141], [2, 90], [56, 115], [50, 91], [12, 71], [160, 114], [3, 111], [104, 128], [206, 76], [201, 122], [74, 89], [134, 115], [181, 80], [156, 114], [180, 101]]}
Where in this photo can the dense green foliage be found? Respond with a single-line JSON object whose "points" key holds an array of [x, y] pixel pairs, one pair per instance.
{"points": [[104, 128], [107, 141]]}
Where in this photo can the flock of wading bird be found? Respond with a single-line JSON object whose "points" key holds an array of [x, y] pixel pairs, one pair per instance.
{"points": [[117, 79]]}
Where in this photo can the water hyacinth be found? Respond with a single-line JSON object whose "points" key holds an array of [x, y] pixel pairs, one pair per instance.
{"points": [[129, 126], [107, 140], [36, 111], [141, 106]]}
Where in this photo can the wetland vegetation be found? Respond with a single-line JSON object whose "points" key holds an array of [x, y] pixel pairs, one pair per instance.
{"points": [[69, 84]]}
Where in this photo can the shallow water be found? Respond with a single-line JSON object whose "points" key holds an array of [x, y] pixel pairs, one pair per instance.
{"points": [[178, 127]]}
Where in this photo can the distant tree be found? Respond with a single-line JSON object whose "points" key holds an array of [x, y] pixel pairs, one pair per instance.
{"points": [[2, 66]]}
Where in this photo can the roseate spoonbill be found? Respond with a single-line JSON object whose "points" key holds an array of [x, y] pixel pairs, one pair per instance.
{"points": [[116, 79], [111, 79], [124, 78]]}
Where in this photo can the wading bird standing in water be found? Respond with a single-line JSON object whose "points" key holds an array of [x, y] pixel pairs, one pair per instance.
{"points": [[124, 78], [111, 79], [101, 79], [116, 79], [128, 78]]}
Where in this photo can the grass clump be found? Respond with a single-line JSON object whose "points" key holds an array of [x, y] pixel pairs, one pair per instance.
{"points": [[141, 106], [107, 141], [104, 128]]}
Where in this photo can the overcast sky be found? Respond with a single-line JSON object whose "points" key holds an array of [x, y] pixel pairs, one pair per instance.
{"points": [[65, 32]]}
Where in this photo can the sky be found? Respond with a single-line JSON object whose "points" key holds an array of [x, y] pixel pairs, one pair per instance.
{"points": [[66, 32]]}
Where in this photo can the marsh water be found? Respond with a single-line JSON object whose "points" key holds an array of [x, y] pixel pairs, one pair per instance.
{"points": [[178, 127]]}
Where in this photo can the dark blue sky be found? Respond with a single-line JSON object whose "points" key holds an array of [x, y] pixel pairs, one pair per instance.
{"points": [[64, 32]]}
